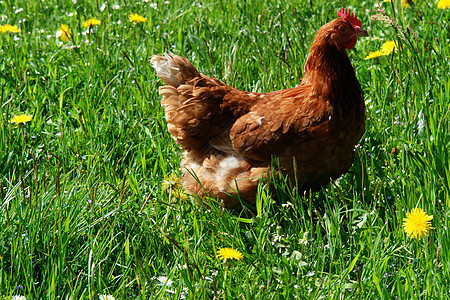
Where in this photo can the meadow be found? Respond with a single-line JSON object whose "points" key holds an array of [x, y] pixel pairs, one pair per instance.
{"points": [[90, 202]]}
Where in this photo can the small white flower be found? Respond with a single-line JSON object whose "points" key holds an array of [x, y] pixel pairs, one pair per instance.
{"points": [[102, 8], [18, 297], [164, 280], [115, 6], [18, 10], [184, 293], [154, 5], [106, 297], [70, 14]]}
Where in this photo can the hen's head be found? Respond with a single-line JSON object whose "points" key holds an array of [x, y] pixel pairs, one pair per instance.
{"points": [[344, 32]]}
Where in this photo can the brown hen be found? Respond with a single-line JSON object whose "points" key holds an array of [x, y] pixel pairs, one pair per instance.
{"points": [[232, 138]]}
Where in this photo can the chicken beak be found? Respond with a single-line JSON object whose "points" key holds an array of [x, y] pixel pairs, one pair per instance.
{"points": [[360, 32]]}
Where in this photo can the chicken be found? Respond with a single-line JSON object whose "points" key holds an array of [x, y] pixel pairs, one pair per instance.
{"points": [[231, 138]]}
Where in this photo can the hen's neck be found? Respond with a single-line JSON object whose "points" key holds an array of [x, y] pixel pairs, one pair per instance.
{"points": [[330, 72]]}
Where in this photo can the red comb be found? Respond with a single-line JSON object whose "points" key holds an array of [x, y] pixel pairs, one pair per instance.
{"points": [[351, 17]]}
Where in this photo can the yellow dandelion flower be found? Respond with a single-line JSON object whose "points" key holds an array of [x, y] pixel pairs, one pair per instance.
{"points": [[386, 49], [64, 33], [371, 55], [443, 4], [229, 253], [389, 47], [171, 182], [417, 223], [179, 194], [9, 28], [137, 18], [405, 3], [91, 23], [21, 119]]}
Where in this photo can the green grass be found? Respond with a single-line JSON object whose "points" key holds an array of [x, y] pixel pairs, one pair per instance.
{"points": [[83, 209]]}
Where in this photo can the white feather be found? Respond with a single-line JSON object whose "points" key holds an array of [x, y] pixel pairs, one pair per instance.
{"points": [[226, 166], [166, 69]]}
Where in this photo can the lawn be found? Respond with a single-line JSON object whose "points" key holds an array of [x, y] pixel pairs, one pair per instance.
{"points": [[90, 202]]}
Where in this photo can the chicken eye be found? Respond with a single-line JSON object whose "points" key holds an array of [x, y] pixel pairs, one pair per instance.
{"points": [[343, 29]]}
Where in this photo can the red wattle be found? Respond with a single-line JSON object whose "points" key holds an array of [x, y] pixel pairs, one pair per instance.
{"points": [[351, 44]]}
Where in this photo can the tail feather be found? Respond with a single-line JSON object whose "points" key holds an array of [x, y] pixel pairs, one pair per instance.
{"points": [[191, 102], [174, 70]]}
